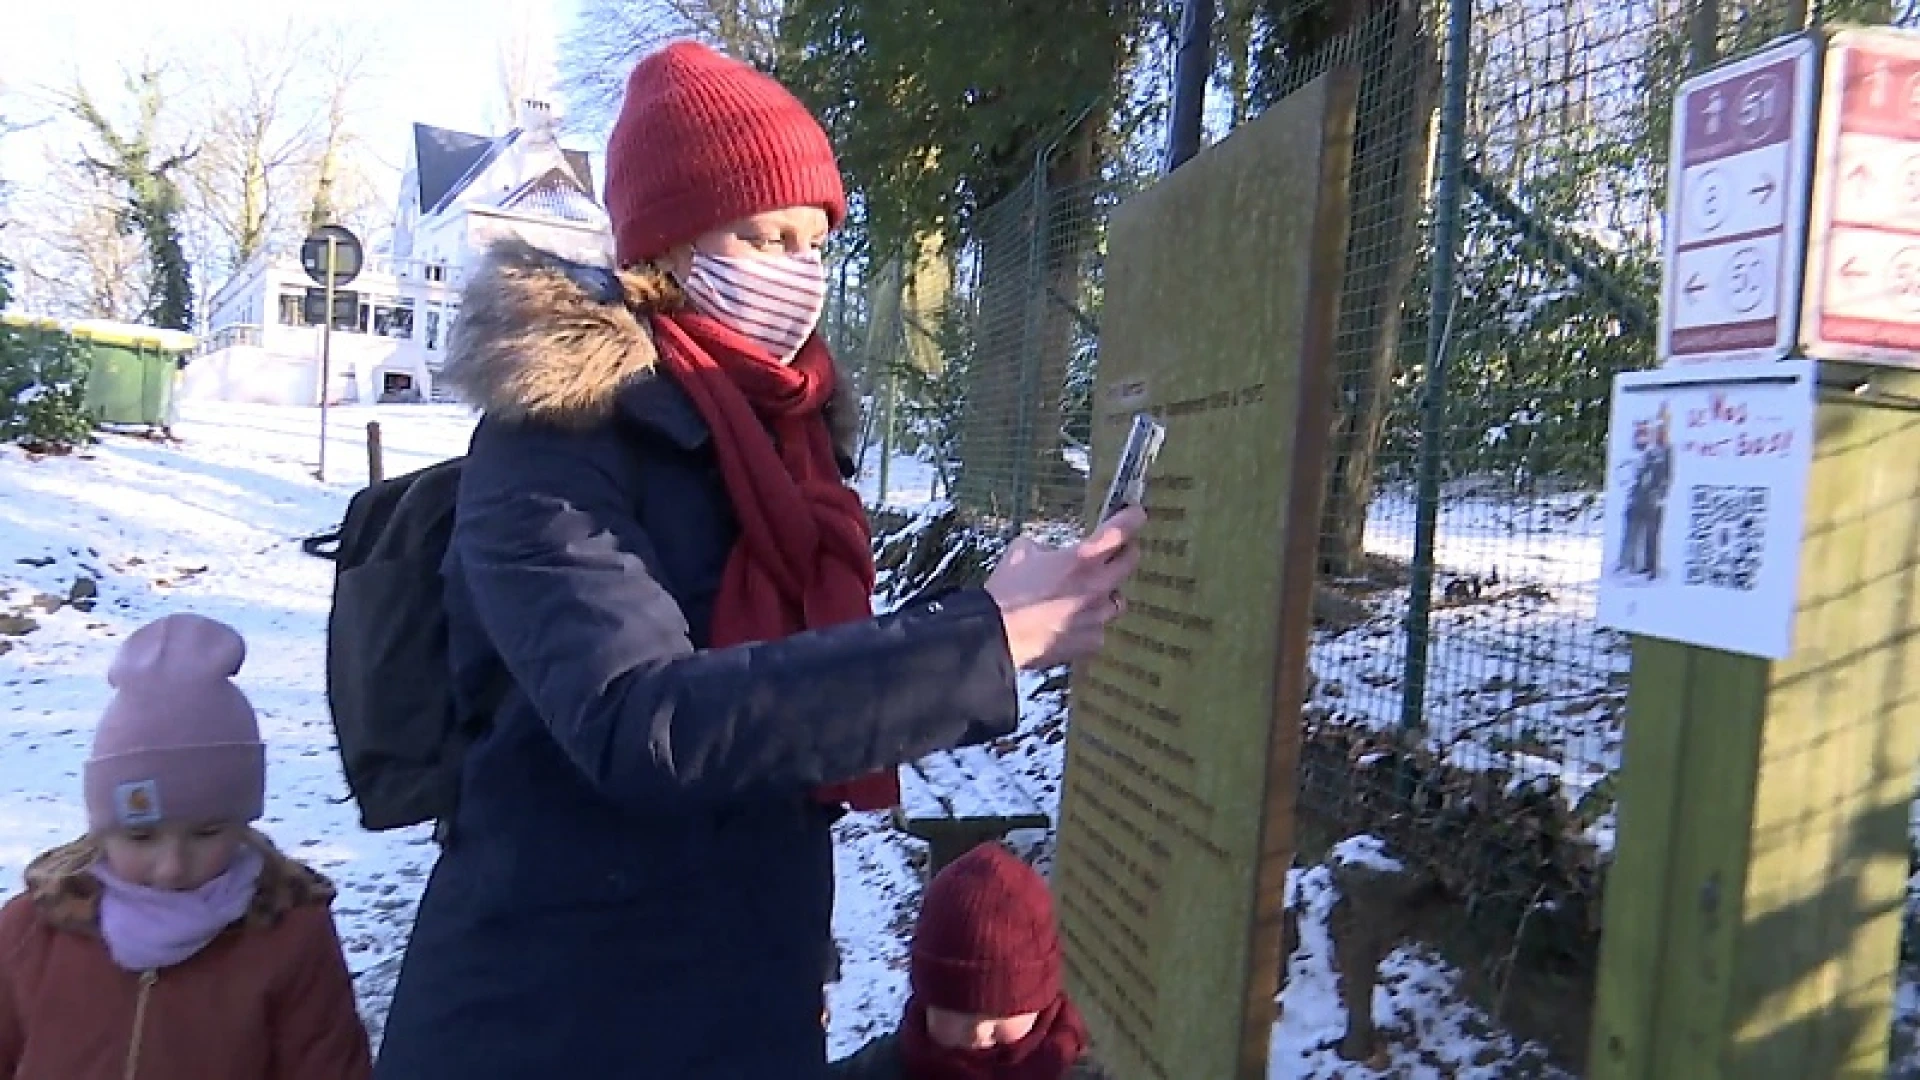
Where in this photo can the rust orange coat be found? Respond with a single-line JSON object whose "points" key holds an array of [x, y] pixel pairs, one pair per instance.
{"points": [[269, 999]]}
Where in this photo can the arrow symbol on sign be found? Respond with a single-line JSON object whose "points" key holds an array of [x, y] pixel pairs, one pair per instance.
{"points": [[1694, 286], [1851, 269], [1765, 188]]}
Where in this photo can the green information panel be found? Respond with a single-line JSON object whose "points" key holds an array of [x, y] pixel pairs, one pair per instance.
{"points": [[1176, 823]]}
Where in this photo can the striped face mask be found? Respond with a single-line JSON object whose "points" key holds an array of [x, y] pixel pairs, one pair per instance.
{"points": [[773, 301]]}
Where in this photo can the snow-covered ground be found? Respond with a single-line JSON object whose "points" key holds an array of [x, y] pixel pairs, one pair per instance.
{"points": [[1519, 677], [213, 525]]}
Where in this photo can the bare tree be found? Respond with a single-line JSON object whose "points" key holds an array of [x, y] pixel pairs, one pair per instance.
{"points": [[524, 64], [144, 167], [341, 62], [611, 35], [72, 256], [260, 135]]}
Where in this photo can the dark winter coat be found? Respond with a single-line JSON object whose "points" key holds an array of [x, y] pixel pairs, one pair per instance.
{"points": [[880, 1060], [637, 882]]}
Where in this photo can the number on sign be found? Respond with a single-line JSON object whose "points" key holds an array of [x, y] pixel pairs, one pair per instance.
{"points": [[1713, 200], [1746, 280], [1760, 106], [1910, 181], [1905, 274]]}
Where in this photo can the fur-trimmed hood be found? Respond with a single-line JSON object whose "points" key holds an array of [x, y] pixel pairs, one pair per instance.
{"points": [[542, 337], [67, 897]]}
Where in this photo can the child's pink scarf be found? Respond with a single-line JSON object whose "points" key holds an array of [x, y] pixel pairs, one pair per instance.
{"points": [[146, 929]]}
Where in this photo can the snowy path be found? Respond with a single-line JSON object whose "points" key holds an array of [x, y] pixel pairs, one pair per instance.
{"points": [[213, 525]]}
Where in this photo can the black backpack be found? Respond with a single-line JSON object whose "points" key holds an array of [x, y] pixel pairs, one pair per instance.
{"points": [[389, 680]]}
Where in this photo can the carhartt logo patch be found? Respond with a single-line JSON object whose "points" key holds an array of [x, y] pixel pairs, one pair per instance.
{"points": [[137, 802]]}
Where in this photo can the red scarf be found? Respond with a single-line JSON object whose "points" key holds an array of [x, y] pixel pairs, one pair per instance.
{"points": [[804, 558], [1054, 1046]]}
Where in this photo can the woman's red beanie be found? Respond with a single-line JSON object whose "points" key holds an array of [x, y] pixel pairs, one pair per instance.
{"points": [[986, 943], [703, 140]]}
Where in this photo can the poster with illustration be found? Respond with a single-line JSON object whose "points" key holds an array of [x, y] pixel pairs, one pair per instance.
{"points": [[1705, 501]]}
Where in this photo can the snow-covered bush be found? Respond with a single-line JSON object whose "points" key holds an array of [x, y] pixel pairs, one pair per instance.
{"points": [[43, 389]]}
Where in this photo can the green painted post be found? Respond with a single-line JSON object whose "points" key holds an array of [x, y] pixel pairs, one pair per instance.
{"points": [[1754, 908]]}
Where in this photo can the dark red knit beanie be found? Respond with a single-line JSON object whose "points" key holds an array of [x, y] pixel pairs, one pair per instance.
{"points": [[703, 140], [986, 943]]}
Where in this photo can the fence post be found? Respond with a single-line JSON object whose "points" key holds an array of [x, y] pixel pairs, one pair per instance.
{"points": [[886, 405], [1446, 244], [1754, 907]]}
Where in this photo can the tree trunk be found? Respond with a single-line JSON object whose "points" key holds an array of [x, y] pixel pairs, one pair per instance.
{"points": [[1031, 255], [924, 295], [324, 207], [253, 202], [1007, 273], [1237, 42], [1058, 489], [1399, 70]]}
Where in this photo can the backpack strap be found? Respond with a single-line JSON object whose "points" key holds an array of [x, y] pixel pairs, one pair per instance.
{"points": [[323, 545]]}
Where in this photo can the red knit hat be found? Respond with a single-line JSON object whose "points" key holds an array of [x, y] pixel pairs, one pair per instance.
{"points": [[703, 140], [986, 943]]}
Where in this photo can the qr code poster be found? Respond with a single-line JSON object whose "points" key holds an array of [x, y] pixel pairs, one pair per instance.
{"points": [[1706, 489]]}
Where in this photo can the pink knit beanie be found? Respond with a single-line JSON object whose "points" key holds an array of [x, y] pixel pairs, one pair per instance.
{"points": [[179, 741]]}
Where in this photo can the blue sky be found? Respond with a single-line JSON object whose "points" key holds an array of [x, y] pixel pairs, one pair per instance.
{"points": [[439, 57]]}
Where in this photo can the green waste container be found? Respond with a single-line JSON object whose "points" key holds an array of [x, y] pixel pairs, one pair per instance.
{"points": [[133, 371]]}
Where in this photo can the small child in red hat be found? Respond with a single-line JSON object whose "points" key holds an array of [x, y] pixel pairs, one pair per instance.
{"points": [[173, 942], [987, 1000]]}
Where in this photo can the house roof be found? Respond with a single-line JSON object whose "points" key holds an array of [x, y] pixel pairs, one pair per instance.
{"points": [[582, 163], [444, 158], [449, 160], [554, 194]]}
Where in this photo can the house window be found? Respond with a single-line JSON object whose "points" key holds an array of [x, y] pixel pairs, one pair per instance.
{"points": [[436, 272], [433, 329], [394, 320], [290, 309]]}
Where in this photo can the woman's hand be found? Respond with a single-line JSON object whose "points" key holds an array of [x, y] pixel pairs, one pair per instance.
{"points": [[1057, 602]]}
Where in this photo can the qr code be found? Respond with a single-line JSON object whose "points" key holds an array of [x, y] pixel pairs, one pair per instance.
{"points": [[1726, 534]]}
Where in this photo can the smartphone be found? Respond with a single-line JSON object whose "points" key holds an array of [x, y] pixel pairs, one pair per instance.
{"points": [[1129, 487]]}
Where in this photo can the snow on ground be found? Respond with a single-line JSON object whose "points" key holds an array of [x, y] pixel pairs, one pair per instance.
{"points": [[213, 525], [1519, 677], [1427, 1031]]}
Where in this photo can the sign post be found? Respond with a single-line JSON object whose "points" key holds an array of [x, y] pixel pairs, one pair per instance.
{"points": [[1754, 905], [1863, 273], [331, 256], [1737, 196]]}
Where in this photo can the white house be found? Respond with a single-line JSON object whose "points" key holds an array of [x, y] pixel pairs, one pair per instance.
{"points": [[460, 192]]}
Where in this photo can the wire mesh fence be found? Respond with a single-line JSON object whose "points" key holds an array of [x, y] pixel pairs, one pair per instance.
{"points": [[1506, 201], [978, 363]]}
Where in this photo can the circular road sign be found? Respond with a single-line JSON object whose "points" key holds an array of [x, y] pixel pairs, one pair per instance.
{"points": [[347, 255]]}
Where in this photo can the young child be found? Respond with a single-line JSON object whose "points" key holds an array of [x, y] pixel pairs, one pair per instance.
{"points": [[173, 942], [987, 1001]]}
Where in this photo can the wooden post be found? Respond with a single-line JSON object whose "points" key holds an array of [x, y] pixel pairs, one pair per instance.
{"points": [[1754, 906], [376, 457]]}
